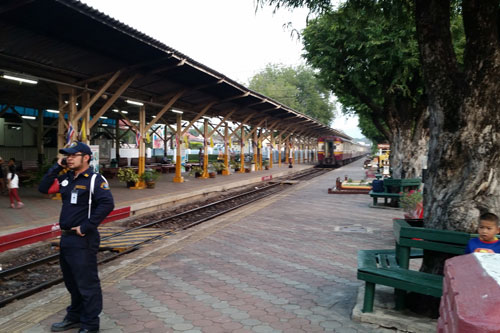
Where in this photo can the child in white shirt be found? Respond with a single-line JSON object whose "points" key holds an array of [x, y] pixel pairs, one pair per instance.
{"points": [[13, 185]]}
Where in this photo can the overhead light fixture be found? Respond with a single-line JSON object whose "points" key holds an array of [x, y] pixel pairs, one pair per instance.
{"points": [[104, 125], [134, 102], [28, 117], [124, 112], [134, 121], [102, 117], [66, 102], [52, 111], [177, 111], [116, 110], [153, 117], [19, 78]]}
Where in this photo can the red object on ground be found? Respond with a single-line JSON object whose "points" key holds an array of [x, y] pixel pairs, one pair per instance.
{"points": [[471, 298], [34, 235]]}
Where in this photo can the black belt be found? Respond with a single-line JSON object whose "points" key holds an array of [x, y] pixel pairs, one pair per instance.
{"points": [[68, 232]]}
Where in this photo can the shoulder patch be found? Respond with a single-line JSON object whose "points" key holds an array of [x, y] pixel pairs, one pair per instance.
{"points": [[104, 186]]}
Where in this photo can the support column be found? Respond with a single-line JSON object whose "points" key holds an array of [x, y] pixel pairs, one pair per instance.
{"points": [[279, 150], [226, 171], [60, 124], [255, 148], [205, 149], [117, 141], [84, 129], [178, 177], [142, 148], [259, 150], [287, 151], [271, 155], [72, 114], [39, 138], [165, 140], [242, 150]]}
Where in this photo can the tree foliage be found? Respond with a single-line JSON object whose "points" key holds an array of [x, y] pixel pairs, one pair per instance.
{"points": [[367, 54], [297, 88]]}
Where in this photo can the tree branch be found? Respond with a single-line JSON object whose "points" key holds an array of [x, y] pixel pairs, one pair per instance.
{"points": [[481, 29], [436, 49]]}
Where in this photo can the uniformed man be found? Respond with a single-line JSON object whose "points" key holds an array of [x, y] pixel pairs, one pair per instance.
{"points": [[80, 239]]}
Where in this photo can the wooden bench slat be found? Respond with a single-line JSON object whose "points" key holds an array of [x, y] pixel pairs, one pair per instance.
{"points": [[419, 282]]}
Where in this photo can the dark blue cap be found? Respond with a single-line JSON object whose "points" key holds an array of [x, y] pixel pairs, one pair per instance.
{"points": [[76, 147]]}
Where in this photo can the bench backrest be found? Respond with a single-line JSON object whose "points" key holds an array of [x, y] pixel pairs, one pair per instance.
{"points": [[394, 185], [123, 162], [446, 241], [29, 165]]}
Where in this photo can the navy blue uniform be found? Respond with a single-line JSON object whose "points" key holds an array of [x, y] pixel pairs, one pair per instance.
{"points": [[78, 255]]}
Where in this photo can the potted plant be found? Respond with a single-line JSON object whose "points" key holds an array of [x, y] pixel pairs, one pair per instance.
{"points": [[235, 165], [412, 204], [196, 171], [128, 175], [219, 167], [211, 170], [248, 166], [265, 164], [150, 176]]}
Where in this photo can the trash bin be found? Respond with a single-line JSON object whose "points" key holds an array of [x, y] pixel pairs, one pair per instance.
{"points": [[377, 185]]}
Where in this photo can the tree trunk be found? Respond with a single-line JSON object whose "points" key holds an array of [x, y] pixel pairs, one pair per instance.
{"points": [[464, 147], [409, 140]]}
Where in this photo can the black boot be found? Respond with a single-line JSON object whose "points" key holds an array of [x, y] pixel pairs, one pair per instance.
{"points": [[64, 325]]}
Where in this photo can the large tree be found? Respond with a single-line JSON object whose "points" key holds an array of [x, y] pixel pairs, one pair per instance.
{"points": [[463, 163], [296, 87], [366, 53], [464, 148]]}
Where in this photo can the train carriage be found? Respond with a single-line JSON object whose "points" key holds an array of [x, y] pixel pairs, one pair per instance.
{"points": [[334, 151]]}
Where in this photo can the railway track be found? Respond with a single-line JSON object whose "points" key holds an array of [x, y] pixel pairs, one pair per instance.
{"points": [[25, 280]]}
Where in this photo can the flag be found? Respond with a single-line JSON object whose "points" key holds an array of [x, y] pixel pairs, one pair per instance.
{"points": [[83, 131], [230, 143], [186, 140], [148, 138], [138, 138], [71, 131], [260, 144], [211, 142]]}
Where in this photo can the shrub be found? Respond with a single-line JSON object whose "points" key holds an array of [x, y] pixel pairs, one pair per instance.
{"points": [[127, 175], [410, 200]]}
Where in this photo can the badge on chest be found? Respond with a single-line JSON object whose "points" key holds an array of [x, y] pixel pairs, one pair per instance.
{"points": [[74, 197]]}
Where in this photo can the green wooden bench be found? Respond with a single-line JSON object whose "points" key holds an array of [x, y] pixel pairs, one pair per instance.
{"points": [[394, 189], [391, 267]]}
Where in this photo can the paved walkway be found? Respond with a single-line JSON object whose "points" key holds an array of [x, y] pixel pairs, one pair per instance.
{"points": [[284, 264], [39, 210]]}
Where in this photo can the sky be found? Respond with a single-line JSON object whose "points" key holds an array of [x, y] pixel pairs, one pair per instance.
{"points": [[229, 36]]}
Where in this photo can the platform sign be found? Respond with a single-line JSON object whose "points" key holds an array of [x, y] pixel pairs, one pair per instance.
{"points": [[94, 163], [384, 146]]}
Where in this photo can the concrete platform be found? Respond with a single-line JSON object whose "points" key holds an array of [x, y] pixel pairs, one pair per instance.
{"points": [[39, 210], [283, 264]]}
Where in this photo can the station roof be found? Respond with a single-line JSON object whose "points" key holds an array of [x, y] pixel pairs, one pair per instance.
{"points": [[65, 42]]}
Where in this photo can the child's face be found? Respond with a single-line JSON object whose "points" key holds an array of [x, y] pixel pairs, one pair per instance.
{"points": [[487, 230]]}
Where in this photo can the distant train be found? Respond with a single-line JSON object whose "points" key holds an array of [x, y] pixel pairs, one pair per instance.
{"points": [[334, 151]]}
